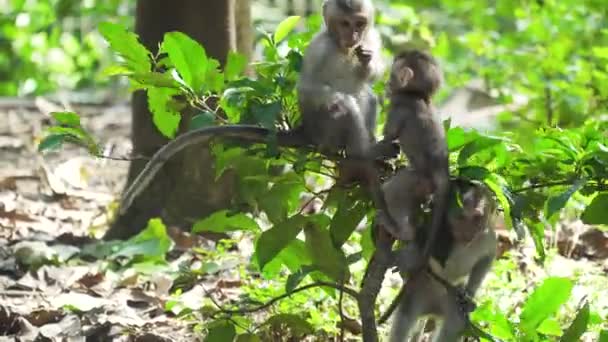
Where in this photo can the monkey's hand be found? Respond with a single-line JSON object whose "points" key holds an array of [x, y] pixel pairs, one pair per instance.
{"points": [[465, 303], [364, 55], [337, 105]]}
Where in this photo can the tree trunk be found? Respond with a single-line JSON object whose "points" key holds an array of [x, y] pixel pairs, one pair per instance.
{"points": [[184, 190], [244, 32]]}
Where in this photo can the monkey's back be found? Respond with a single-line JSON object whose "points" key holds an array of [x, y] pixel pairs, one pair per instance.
{"points": [[422, 136]]}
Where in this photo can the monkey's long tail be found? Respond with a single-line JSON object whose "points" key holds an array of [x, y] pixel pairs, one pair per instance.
{"points": [[247, 133]]}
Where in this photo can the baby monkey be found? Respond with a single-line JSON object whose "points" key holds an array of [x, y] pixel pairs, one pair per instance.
{"points": [[415, 77], [463, 255]]}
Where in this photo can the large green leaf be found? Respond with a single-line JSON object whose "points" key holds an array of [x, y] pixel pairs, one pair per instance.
{"points": [[286, 26], [329, 259], [222, 330], [67, 118], [556, 203], [345, 220], [578, 326], [275, 239], [282, 198], [152, 243], [544, 302], [127, 45], [188, 57], [165, 117], [297, 325], [596, 212], [221, 222], [235, 65]]}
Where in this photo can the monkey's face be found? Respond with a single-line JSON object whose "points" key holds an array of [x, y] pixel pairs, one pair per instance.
{"points": [[349, 29], [474, 215]]}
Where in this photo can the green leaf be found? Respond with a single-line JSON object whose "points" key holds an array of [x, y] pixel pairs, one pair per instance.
{"points": [[154, 79], [248, 338], [298, 326], [114, 70], [235, 65], [479, 144], [556, 203], [127, 45], [285, 27], [266, 114], [275, 239], [346, 219], [214, 78], [456, 138], [578, 327], [544, 302], [204, 119], [67, 118], [164, 116], [52, 142], [550, 327], [603, 336], [295, 257], [498, 185], [295, 279], [152, 243], [220, 331], [596, 212], [329, 260], [282, 198], [221, 222], [188, 57]]}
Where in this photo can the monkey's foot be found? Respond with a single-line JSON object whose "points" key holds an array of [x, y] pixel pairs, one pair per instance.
{"points": [[403, 232]]}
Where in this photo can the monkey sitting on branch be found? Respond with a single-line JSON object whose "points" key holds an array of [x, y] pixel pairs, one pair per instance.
{"points": [[414, 79], [463, 254], [335, 98]]}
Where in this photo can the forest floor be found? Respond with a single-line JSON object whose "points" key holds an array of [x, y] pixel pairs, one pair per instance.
{"points": [[51, 204]]}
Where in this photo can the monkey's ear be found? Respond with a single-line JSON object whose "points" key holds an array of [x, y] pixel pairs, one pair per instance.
{"points": [[405, 76]]}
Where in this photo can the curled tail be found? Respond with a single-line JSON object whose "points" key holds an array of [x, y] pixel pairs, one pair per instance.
{"points": [[253, 134]]}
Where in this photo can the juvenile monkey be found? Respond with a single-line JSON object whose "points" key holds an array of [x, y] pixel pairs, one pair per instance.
{"points": [[415, 77], [462, 255]]}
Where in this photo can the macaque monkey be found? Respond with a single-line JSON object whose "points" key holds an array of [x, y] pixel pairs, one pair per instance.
{"points": [[415, 77], [462, 255], [334, 90], [335, 98]]}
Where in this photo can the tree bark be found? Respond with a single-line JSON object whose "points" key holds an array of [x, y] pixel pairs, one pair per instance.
{"points": [[244, 32], [184, 190]]}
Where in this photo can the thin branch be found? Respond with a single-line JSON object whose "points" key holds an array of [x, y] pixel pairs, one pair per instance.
{"points": [[543, 185], [129, 159], [271, 302]]}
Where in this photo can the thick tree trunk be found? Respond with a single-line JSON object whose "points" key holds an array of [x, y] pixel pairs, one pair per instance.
{"points": [[184, 190]]}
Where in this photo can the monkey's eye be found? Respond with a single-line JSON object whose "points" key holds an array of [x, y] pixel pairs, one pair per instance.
{"points": [[360, 24], [345, 23]]}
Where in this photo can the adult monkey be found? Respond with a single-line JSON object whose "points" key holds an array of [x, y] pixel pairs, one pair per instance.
{"points": [[462, 255], [337, 104], [336, 101]]}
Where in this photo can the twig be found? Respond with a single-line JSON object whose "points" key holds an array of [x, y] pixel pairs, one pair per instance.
{"points": [[271, 302], [341, 312], [129, 159], [542, 185]]}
